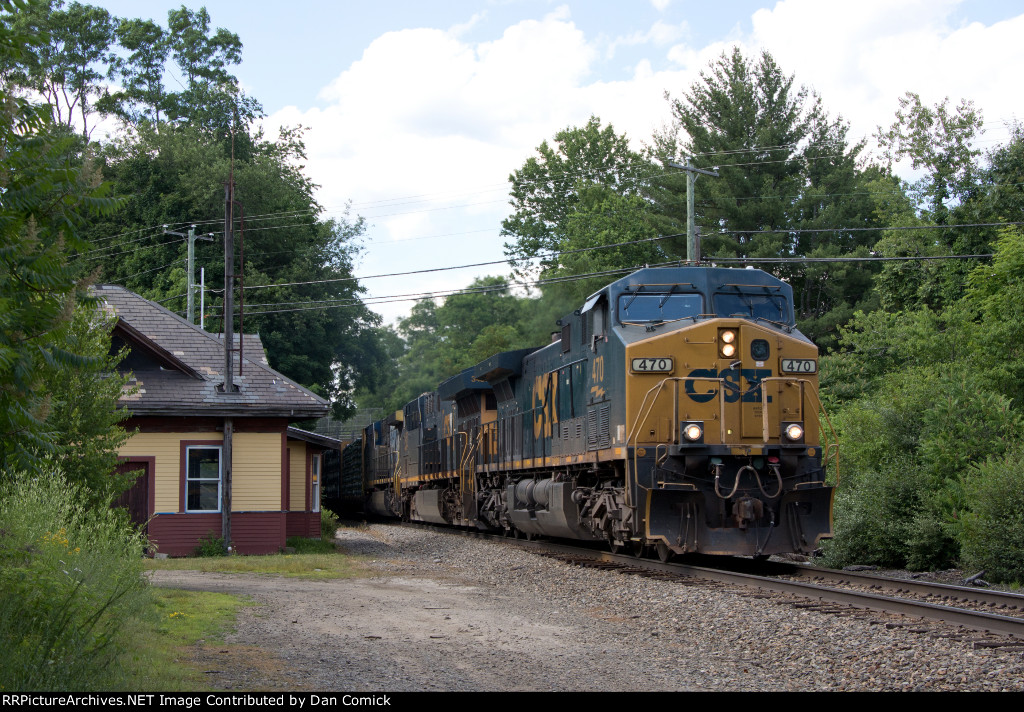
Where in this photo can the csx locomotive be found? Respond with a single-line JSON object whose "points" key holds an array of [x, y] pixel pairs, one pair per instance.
{"points": [[676, 410]]}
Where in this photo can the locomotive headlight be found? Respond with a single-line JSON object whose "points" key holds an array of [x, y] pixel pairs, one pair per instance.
{"points": [[693, 432], [794, 431], [727, 342]]}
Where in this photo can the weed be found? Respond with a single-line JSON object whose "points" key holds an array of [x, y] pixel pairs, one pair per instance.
{"points": [[70, 579], [210, 545]]}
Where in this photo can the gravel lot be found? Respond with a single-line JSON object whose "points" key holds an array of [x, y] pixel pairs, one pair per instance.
{"points": [[458, 614]]}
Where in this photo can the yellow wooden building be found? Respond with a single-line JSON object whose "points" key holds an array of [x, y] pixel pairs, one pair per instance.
{"points": [[184, 424]]}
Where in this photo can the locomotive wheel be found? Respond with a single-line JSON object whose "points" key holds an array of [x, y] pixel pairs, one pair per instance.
{"points": [[638, 549], [664, 553], [613, 546]]}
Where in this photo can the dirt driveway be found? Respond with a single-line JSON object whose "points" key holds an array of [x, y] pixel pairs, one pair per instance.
{"points": [[457, 614]]}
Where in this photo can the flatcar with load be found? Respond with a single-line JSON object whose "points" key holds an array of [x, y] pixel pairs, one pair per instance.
{"points": [[676, 410]]}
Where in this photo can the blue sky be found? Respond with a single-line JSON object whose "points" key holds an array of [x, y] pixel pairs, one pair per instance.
{"points": [[417, 112]]}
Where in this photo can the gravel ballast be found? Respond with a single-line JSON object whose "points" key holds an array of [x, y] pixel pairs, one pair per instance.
{"points": [[455, 613]]}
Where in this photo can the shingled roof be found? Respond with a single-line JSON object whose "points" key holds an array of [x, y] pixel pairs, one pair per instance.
{"points": [[179, 368]]}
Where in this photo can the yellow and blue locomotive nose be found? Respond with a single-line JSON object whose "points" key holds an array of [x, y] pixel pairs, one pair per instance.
{"points": [[733, 379], [724, 438]]}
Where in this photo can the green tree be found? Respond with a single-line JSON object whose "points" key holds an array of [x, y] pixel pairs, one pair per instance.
{"points": [[927, 403], [789, 184], [939, 141], [82, 407], [300, 294], [143, 96], [579, 193], [441, 339], [69, 63], [44, 208], [211, 98], [749, 122]]}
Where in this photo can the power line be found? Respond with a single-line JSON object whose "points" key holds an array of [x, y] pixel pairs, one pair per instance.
{"points": [[799, 231], [555, 255], [420, 296], [465, 266]]}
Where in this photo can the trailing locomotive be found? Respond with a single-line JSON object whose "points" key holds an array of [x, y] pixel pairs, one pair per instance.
{"points": [[676, 409]]}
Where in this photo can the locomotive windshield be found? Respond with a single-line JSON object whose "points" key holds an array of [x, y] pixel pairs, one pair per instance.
{"points": [[651, 307], [752, 305]]}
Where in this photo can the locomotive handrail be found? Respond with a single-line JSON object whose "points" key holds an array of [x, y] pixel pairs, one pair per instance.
{"points": [[831, 450], [398, 466], [659, 386], [466, 452]]}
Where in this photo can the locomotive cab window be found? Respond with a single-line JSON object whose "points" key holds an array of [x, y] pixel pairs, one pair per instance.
{"points": [[653, 307], [750, 304]]}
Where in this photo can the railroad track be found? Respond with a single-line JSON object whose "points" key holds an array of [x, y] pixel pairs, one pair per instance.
{"points": [[823, 590], [847, 591]]}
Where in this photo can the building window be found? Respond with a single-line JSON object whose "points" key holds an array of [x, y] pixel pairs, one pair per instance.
{"points": [[202, 479], [314, 498]]}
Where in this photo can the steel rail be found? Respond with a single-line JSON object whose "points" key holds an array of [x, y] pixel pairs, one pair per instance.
{"points": [[1002, 599], [975, 620]]}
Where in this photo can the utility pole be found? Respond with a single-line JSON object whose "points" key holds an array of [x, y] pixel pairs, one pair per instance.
{"points": [[692, 247], [202, 298], [190, 312], [229, 386], [229, 287]]}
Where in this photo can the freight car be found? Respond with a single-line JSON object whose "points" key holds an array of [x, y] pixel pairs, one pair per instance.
{"points": [[676, 410]]}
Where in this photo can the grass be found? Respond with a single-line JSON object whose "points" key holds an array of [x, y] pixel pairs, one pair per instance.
{"points": [[302, 545], [156, 657], [159, 656], [312, 565]]}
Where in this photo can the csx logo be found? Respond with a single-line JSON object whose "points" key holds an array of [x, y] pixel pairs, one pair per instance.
{"points": [[734, 387]]}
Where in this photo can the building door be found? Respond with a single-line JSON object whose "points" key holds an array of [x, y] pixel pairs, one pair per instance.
{"points": [[136, 498]]}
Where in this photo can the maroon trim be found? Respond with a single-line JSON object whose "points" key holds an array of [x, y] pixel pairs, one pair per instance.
{"points": [[169, 424], [151, 483], [183, 466], [172, 424], [261, 425], [305, 524]]}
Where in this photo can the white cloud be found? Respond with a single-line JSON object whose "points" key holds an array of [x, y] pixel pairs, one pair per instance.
{"points": [[659, 34], [660, 5], [464, 27], [862, 57], [426, 112]]}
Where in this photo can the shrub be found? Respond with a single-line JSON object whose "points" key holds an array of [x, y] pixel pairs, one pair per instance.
{"points": [[907, 454], [993, 531], [70, 578], [328, 524], [210, 545]]}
